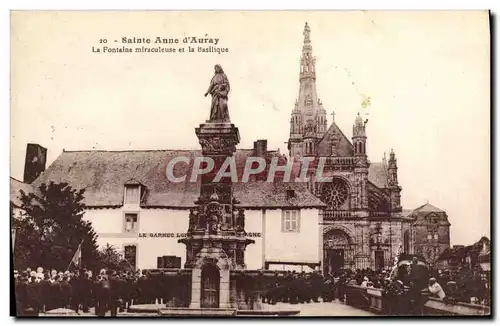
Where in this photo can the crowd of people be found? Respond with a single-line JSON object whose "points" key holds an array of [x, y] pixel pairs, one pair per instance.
{"points": [[108, 291], [43, 290], [468, 286], [403, 289]]}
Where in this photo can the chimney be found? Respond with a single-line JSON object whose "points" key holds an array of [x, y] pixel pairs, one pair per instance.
{"points": [[260, 148], [36, 158]]}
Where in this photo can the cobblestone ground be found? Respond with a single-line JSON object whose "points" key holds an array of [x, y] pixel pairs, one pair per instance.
{"points": [[335, 308]]}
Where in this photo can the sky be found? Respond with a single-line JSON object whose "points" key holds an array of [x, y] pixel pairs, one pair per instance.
{"points": [[427, 75]]}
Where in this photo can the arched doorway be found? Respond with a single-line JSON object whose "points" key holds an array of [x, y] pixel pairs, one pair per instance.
{"points": [[337, 252], [210, 287]]}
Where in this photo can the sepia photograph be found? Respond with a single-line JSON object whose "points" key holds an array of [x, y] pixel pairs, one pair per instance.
{"points": [[250, 164]]}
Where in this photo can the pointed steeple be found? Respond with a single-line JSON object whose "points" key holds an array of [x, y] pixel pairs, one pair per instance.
{"points": [[308, 98], [307, 40], [308, 110], [307, 64]]}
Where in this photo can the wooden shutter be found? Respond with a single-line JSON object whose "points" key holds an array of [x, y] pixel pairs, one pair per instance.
{"points": [[297, 212], [282, 221]]}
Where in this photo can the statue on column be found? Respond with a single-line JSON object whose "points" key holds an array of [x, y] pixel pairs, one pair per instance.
{"points": [[219, 89]]}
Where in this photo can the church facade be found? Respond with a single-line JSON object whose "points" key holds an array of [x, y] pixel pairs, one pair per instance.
{"points": [[364, 224]]}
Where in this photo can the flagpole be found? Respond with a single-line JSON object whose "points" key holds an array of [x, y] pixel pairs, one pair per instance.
{"points": [[77, 249]]}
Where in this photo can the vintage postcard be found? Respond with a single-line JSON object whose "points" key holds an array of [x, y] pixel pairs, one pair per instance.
{"points": [[259, 163]]}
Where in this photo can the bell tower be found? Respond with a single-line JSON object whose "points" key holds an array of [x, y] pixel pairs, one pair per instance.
{"points": [[308, 115]]}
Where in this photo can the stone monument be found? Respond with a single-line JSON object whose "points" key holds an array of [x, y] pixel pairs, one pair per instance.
{"points": [[216, 239]]}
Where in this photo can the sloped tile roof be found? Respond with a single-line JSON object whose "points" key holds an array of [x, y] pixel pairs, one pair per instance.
{"points": [[104, 173], [377, 174], [428, 208]]}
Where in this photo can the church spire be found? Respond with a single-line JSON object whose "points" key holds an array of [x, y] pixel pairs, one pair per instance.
{"points": [[308, 113], [307, 39], [308, 99], [307, 62]]}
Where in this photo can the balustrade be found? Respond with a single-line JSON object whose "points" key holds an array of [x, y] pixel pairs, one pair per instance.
{"points": [[334, 214]]}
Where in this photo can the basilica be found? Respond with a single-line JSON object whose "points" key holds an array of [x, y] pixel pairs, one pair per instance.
{"points": [[353, 220], [364, 224]]}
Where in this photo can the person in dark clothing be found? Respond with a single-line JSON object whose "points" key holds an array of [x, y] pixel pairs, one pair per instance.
{"points": [[418, 279], [44, 289], [22, 298], [113, 293], [76, 288], [86, 290], [341, 286], [102, 290], [142, 286], [34, 293], [66, 292], [54, 294], [317, 282], [328, 289]]}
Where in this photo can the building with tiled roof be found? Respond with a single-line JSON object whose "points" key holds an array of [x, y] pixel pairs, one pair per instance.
{"points": [[133, 206]]}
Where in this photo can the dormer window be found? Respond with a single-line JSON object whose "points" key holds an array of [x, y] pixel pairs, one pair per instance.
{"points": [[132, 192]]}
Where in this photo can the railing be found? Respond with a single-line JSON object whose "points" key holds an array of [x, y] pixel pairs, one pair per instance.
{"points": [[373, 300], [340, 161], [331, 215], [379, 214]]}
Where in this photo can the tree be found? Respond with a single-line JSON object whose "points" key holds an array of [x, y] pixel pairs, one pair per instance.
{"points": [[112, 259], [51, 228]]}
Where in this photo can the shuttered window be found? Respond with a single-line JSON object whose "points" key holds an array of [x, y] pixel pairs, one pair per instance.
{"points": [[290, 221], [132, 194]]}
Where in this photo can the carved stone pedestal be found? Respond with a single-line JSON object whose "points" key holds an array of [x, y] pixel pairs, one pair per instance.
{"points": [[216, 238]]}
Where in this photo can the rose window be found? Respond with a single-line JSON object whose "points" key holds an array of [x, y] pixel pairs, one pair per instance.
{"points": [[335, 194]]}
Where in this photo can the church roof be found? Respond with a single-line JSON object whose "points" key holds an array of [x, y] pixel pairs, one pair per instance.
{"points": [[427, 208], [104, 173], [324, 145], [377, 174], [15, 187]]}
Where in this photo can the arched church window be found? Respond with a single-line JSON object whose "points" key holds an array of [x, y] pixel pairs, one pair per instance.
{"points": [[335, 193]]}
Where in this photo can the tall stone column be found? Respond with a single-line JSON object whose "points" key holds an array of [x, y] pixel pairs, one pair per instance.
{"points": [[218, 141], [216, 236]]}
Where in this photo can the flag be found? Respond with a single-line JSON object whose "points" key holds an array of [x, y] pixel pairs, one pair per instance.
{"points": [[77, 257]]}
